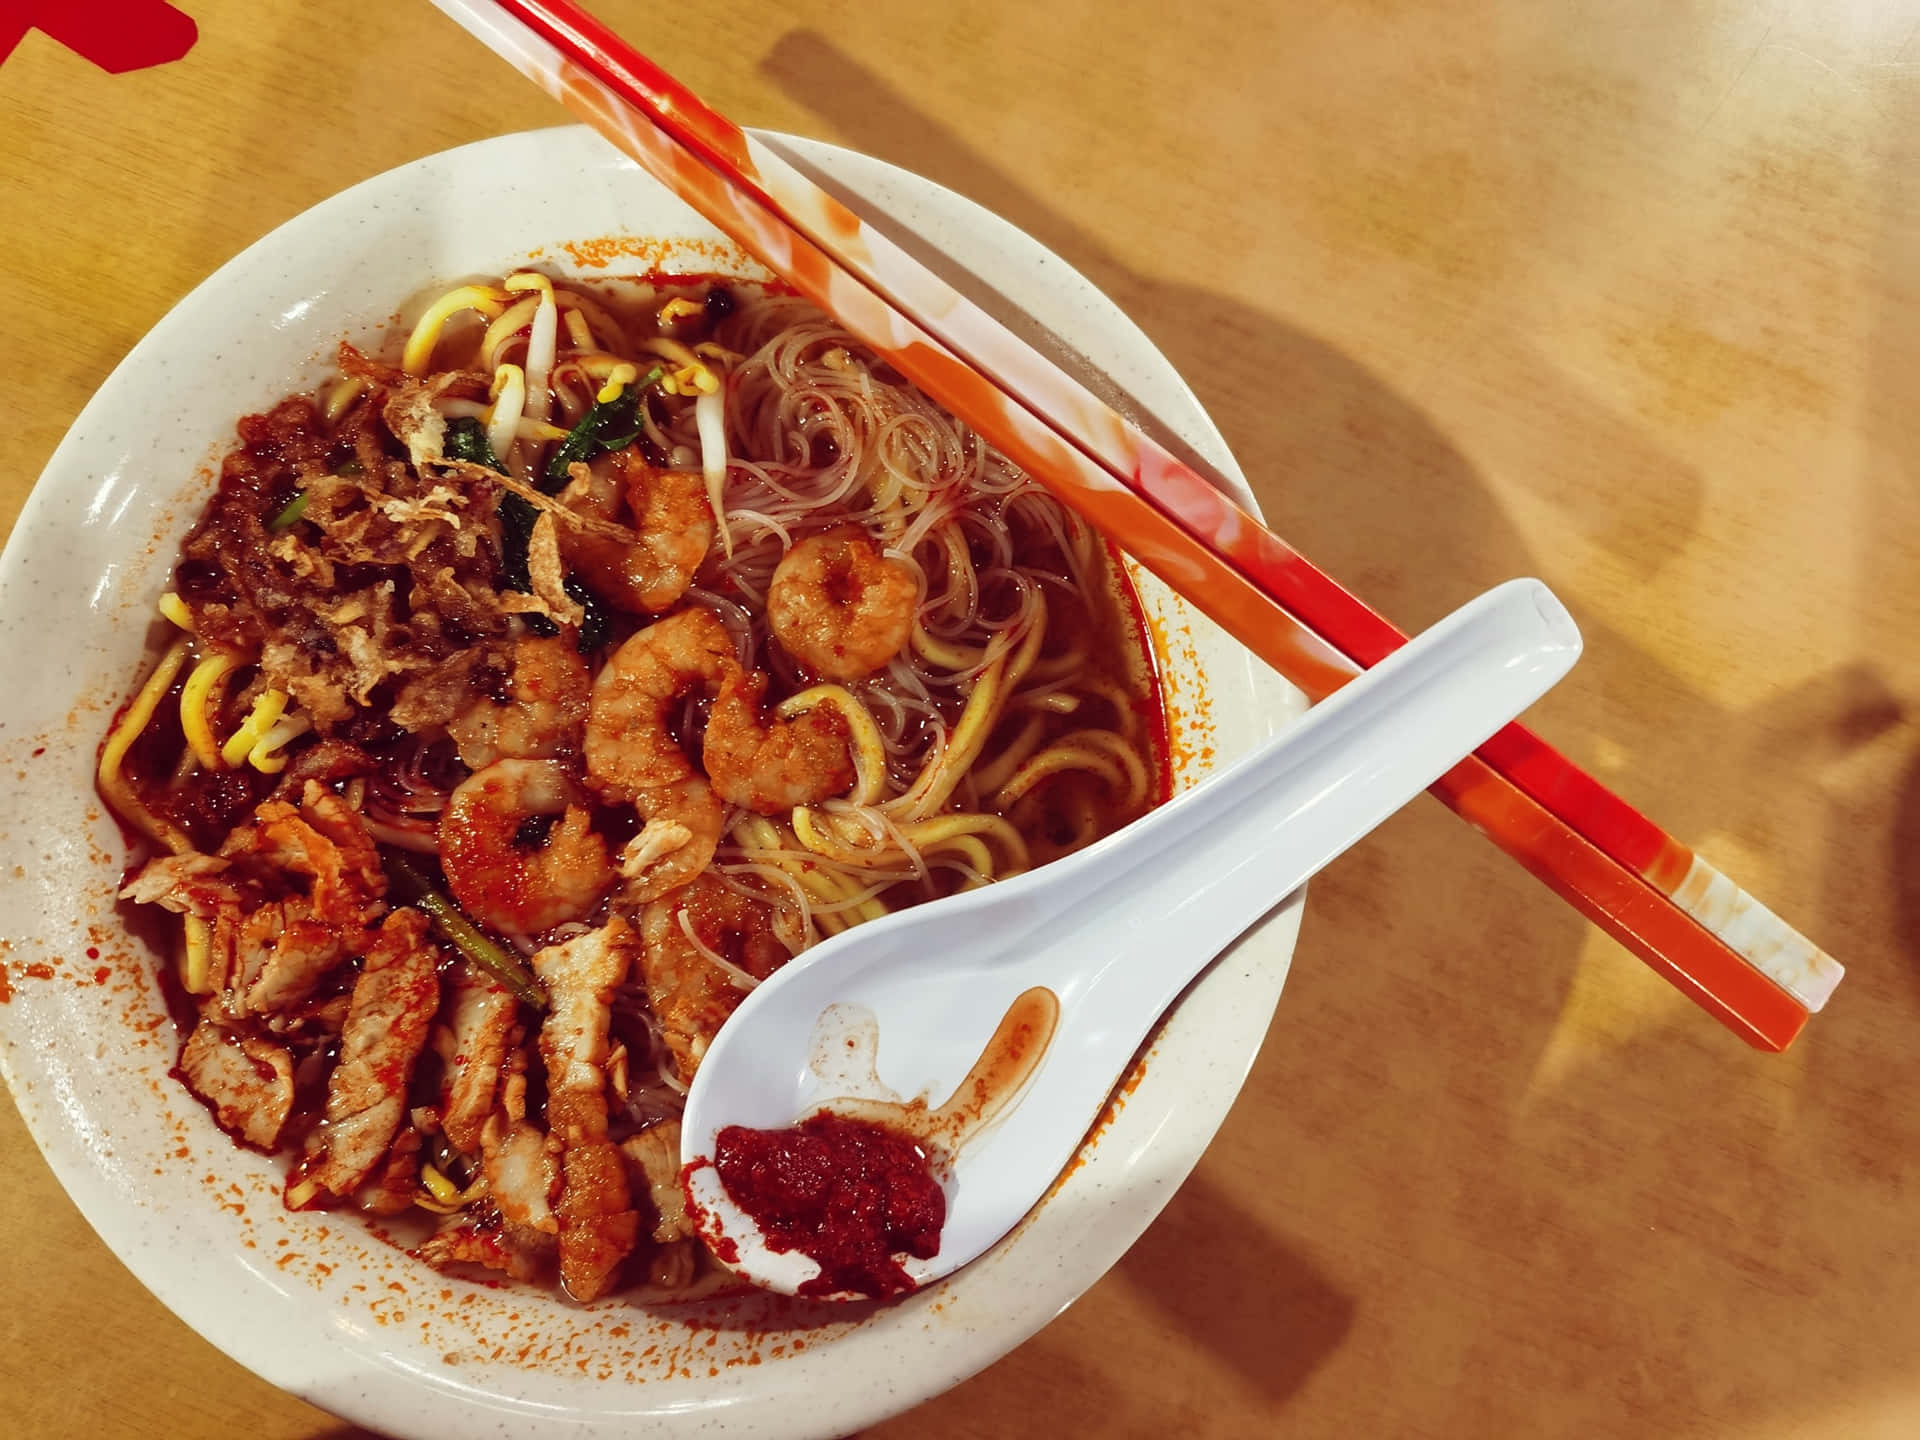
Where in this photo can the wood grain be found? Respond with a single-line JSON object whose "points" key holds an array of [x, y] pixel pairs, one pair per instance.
{"points": [[1624, 297]]}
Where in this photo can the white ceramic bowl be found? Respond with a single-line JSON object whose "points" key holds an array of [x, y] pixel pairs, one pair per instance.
{"points": [[314, 1302]]}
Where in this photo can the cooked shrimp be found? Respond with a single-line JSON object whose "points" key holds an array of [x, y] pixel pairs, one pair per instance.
{"points": [[839, 606], [494, 872], [770, 766], [673, 531], [630, 745], [690, 992], [543, 715], [682, 830]]}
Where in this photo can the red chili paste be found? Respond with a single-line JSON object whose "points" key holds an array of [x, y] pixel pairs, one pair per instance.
{"points": [[845, 1193]]}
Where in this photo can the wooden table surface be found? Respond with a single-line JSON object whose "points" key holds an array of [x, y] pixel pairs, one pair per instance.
{"points": [[1626, 297]]}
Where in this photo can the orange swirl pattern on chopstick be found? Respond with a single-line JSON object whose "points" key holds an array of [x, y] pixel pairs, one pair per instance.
{"points": [[1238, 588]]}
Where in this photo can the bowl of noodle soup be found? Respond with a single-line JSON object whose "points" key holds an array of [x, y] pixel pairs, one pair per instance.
{"points": [[1019, 651]]}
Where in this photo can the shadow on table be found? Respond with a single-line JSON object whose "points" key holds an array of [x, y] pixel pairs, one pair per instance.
{"points": [[1573, 1144], [1341, 465], [1905, 857], [1222, 1278]]}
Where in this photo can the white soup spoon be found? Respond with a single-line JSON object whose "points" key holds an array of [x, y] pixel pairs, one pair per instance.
{"points": [[1020, 1004]]}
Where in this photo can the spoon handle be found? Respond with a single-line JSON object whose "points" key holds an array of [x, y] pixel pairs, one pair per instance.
{"points": [[1226, 852], [1116, 931]]}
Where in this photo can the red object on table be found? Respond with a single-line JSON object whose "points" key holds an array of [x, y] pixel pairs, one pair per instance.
{"points": [[116, 35]]}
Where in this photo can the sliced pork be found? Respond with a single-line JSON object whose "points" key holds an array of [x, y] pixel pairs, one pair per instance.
{"points": [[598, 1224], [393, 1004]]}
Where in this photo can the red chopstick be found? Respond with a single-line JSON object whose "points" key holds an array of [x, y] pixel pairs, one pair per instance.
{"points": [[1620, 869]]}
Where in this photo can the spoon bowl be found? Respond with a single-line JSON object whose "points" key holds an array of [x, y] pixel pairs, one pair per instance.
{"points": [[907, 1014]]}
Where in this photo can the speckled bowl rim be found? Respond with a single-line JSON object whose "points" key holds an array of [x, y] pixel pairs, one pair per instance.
{"points": [[82, 1044]]}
